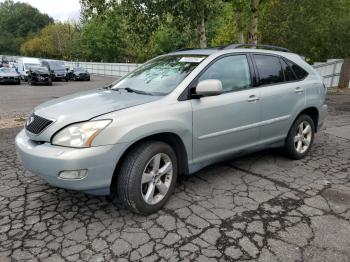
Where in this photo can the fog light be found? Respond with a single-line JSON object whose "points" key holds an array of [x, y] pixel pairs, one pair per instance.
{"points": [[73, 174]]}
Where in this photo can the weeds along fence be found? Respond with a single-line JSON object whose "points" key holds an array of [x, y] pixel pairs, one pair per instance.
{"points": [[330, 70]]}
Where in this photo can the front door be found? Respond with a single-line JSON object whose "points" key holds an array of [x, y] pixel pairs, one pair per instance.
{"points": [[226, 123]]}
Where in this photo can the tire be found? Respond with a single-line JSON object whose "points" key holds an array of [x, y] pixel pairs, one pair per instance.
{"points": [[296, 137], [19, 82], [130, 189]]}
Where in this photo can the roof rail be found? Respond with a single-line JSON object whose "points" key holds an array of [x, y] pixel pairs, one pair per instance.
{"points": [[268, 47], [184, 49]]}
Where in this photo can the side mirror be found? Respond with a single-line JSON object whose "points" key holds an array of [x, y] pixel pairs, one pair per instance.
{"points": [[210, 87]]}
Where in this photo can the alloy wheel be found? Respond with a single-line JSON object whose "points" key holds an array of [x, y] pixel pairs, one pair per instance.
{"points": [[303, 137], [156, 178]]}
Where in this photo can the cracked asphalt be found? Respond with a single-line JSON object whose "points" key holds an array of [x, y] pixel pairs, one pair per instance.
{"points": [[261, 207]]}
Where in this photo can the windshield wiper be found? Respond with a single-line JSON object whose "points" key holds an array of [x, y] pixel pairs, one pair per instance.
{"points": [[108, 87], [131, 90]]}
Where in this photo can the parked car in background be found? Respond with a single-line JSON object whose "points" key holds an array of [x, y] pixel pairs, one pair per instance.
{"points": [[57, 68], [9, 76], [79, 73], [174, 115], [24, 63], [39, 75]]}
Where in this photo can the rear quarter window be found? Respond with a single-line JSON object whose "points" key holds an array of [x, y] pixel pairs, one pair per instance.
{"points": [[299, 72]]}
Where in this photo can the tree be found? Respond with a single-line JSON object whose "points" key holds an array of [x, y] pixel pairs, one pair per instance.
{"points": [[315, 29], [53, 41], [223, 28], [103, 39], [253, 25], [239, 7], [344, 79], [193, 13], [17, 22]]}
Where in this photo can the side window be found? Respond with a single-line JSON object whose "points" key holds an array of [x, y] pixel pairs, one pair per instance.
{"points": [[232, 71], [288, 72], [298, 71], [269, 68]]}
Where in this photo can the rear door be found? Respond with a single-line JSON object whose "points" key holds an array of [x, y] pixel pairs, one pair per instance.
{"points": [[281, 96], [226, 123]]}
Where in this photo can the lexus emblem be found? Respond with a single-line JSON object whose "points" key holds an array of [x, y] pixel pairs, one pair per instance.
{"points": [[30, 120]]}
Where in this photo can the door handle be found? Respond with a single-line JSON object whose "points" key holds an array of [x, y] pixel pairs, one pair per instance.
{"points": [[253, 98], [298, 90]]}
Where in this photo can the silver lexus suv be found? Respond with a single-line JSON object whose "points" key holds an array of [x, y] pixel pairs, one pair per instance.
{"points": [[172, 116]]}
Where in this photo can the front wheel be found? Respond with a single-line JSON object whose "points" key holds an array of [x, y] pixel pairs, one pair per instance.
{"points": [[147, 177], [300, 137]]}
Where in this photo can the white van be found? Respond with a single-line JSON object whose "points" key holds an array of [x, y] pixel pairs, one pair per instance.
{"points": [[24, 64]]}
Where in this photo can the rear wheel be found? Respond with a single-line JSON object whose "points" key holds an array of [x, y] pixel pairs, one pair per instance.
{"points": [[300, 137], [147, 177]]}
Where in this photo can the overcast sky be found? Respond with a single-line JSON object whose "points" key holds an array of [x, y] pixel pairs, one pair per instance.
{"points": [[58, 9]]}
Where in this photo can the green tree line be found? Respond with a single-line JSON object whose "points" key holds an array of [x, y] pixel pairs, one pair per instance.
{"points": [[136, 30]]}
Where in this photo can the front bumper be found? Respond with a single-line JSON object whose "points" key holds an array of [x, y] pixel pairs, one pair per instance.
{"points": [[41, 81], [59, 77], [9, 80], [46, 161], [82, 77]]}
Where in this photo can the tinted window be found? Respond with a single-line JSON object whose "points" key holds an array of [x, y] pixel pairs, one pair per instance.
{"points": [[232, 71], [288, 72], [269, 68], [298, 71]]}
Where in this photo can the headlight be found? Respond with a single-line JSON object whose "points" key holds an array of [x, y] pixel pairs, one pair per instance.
{"points": [[80, 134]]}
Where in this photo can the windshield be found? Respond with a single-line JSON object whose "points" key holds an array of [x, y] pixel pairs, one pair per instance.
{"points": [[79, 69], [7, 70], [56, 64], [40, 70], [160, 76], [29, 65]]}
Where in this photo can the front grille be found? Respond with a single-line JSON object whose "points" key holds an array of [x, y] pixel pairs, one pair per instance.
{"points": [[36, 124]]}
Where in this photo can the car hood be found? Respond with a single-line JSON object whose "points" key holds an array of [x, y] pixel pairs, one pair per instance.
{"points": [[89, 104], [84, 106]]}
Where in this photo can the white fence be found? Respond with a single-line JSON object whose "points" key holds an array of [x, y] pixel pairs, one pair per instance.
{"points": [[330, 71], [105, 69]]}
